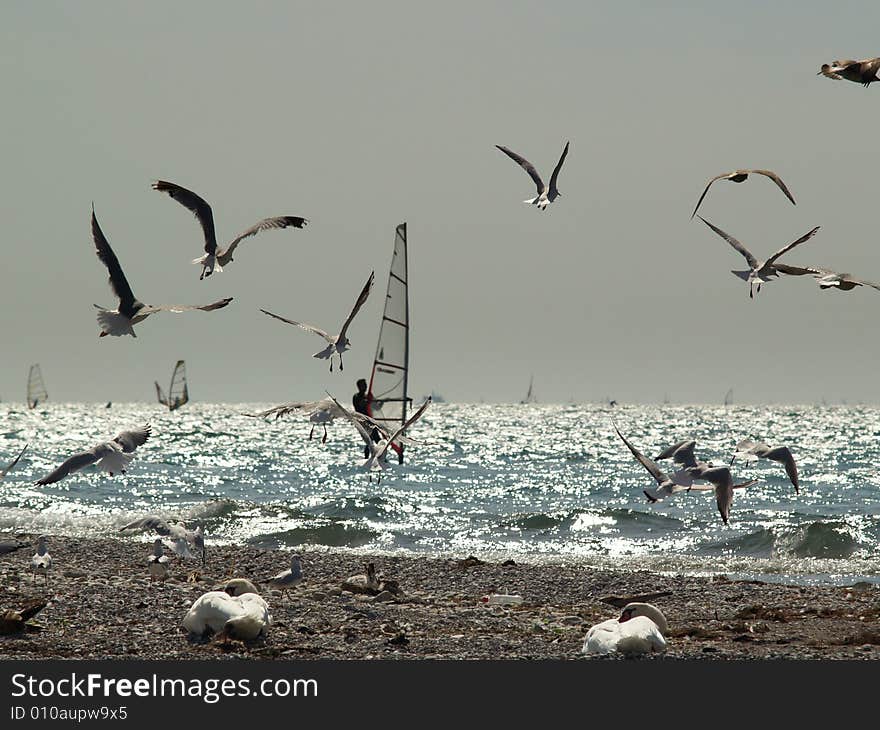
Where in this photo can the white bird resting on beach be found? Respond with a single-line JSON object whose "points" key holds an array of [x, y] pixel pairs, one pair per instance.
{"points": [[112, 456], [749, 450], [639, 630], [321, 412], [667, 485], [376, 460], [11, 465], [723, 486], [213, 257], [245, 616], [760, 272], [337, 344], [181, 536], [130, 310], [238, 587], [289, 578], [546, 193], [157, 561], [41, 561]]}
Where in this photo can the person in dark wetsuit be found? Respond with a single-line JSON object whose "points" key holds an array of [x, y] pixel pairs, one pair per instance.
{"points": [[361, 401]]}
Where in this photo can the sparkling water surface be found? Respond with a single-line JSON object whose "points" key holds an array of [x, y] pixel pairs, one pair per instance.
{"points": [[531, 482]]}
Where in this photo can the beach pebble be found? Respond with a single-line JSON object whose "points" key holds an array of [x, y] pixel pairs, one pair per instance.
{"points": [[383, 597]]}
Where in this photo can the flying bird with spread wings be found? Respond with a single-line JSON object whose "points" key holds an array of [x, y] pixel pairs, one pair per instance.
{"points": [[215, 258], [740, 176], [130, 311], [862, 72], [112, 456], [337, 344], [546, 193]]}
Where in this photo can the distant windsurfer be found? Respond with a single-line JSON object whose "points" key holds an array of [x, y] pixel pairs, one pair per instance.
{"points": [[361, 402]]}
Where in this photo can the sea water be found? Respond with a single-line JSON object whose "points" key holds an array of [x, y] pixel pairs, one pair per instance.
{"points": [[529, 482]]}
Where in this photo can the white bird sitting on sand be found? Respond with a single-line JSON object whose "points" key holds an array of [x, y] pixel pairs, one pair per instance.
{"points": [[112, 456], [214, 258], [760, 272], [42, 561], [337, 344], [177, 531], [245, 616], [376, 460], [722, 483], [130, 310], [9, 467], [668, 486], [639, 630], [238, 587], [158, 561], [753, 450], [546, 193], [289, 578]]}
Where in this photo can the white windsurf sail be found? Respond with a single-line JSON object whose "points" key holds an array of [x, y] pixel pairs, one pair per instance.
{"points": [[178, 394], [36, 389], [530, 396], [388, 399]]}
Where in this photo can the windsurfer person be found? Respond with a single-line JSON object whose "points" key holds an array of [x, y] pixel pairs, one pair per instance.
{"points": [[361, 403]]}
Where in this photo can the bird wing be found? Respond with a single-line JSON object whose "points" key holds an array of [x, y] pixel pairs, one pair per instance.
{"points": [[118, 282], [670, 451], [528, 166], [397, 434], [152, 308], [152, 523], [130, 440], [199, 207], [778, 180], [361, 429], [266, 224], [794, 270], [5, 470], [783, 454], [652, 468], [752, 261], [784, 249], [306, 406], [362, 297], [301, 325], [556, 170], [708, 185], [74, 463]]}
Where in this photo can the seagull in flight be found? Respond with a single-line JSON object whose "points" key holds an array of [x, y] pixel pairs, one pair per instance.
{"points": [[546, 193], [376, 460], [112, 456], [740, 176], [130, 311], [842, 282], [683, 453], [678, 482], [177, 531], [753, 450], [722, 483], [213, 257], [9, 467], [337, 344], [762, 271], [862, 72]]}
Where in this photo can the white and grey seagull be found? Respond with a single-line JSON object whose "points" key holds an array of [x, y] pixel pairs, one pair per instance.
{"points": [[762, 271], [157, 561], [289, 578], [112, 456], [546, 193], [862, 72], [213, 257], [180, 535], [130, 311], [10, 466], [740, 176], [722, 484], [749, 450], [667, 485], [683, 453], [827, 279], [337, 344]]}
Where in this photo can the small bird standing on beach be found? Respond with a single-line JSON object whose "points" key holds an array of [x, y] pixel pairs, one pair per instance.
{"points": [[289, 578], [112, 456], [753, 450], [862, 72], [213, 257], [740, 176], [158, 561], [546, 193], [42, 561], [337, 343], [130, 310]]}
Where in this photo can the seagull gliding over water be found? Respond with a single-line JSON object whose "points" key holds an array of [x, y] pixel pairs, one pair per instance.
{"points": [[546, 193]]}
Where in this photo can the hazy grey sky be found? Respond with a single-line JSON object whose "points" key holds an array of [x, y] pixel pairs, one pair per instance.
{"points": [[362, 115]]}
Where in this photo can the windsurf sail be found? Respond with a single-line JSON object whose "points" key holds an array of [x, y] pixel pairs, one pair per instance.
{"points": [[178, 394], [530, 396], [728, 397], [36, 389], [388, 399]]}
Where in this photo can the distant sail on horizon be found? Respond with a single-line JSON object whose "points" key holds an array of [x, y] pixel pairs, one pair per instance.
{"points": [[530, 395], [388, 388], [178, 392], [728, 397], [36, 389]]}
